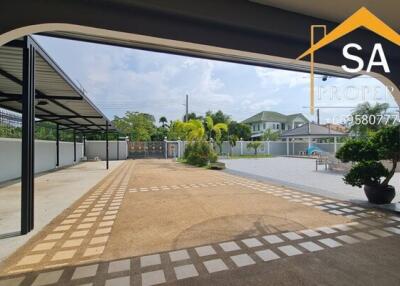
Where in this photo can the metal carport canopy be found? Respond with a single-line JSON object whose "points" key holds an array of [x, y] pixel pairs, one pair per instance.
{"points": [[57, 98]]}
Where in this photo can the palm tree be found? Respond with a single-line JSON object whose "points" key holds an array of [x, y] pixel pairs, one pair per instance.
{"points": [[194, 130], [163, 120], [217, 129], [370, 114]]}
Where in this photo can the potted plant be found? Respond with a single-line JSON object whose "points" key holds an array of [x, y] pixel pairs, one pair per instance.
{"points": [[366, 155]]}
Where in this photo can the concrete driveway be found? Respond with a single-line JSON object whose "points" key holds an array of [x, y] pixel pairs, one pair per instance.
{"points": [[301, 174]]}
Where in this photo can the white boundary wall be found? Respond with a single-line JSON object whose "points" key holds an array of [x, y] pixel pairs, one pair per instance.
{"points": [[45, 156], [98, 149]]}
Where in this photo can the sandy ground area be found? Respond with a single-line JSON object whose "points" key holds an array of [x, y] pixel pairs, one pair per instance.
{"points": [[156, 221]]}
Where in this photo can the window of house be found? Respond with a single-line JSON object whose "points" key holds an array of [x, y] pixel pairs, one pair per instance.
{"points": [[264, 125], [277, 126], [258, 127], [273, 125]]}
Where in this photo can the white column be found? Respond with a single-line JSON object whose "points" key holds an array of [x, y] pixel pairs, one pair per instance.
{"points": [[179, 148], [268, 152], [287, 146], [293, 146], [309, 142], [241, 147], [335, 144]]}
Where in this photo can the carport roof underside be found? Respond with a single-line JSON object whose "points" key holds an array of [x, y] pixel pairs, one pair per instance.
{"points": [[57, 98]]}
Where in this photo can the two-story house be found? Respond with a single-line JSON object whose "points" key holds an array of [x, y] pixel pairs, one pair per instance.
{"points": [[274, 121]]}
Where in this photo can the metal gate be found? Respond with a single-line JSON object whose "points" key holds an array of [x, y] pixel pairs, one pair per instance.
{"points": [[152, 149]]}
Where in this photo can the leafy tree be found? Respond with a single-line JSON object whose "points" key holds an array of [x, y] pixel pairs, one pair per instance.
{"points": [[219, 117], [160, 134], [254, 145], [176, 131], [192, 115], [138, 126], [367, 111], [163, 120], [240, 130], [232, 141], [270, 135]]}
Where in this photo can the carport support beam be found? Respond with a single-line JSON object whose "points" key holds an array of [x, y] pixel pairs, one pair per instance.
{"points": [[28, 137], [107, 165], [84, 145], [74, 146], [58, 145]]}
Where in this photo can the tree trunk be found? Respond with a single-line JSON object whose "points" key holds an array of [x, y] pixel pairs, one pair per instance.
{"points": [[391, 173]]}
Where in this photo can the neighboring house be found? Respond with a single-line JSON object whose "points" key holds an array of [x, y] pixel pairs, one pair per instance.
{"points": [[274, 121]]}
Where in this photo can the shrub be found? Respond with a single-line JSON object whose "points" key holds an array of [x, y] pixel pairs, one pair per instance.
{"points": [[199, 153], [367, 154]]}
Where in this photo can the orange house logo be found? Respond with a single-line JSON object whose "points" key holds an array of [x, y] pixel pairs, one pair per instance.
{"points": [[362, 18]]}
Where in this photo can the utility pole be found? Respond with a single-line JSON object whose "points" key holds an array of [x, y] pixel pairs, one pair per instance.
{"points": [[318, 116], [187, 108]]}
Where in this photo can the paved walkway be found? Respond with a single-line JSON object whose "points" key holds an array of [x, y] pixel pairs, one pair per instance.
{"points": [[55, 191], [346, 245], [300, 173]]}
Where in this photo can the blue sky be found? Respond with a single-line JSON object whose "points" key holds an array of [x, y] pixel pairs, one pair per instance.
{"points": [[120, 79]]}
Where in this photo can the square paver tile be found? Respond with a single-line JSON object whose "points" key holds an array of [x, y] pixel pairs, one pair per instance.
{"points": [[69, 221], [85, 225], [48, 278], [327, 230], [44, 246], [106, 223], [103, 231], [54, 236], [242, 260], [330, 242], [380, 233], [292, 235], [290, 250], [267, 255], [62, 228], [229, 246], [120, 281], [89, 219], [90, 251], [153, 278], [98, 240], [12, 281], [178, 255], [215, 265], [348, 239], [79, 233], [205, 250], [85, 271], [64, 254], [310, 233], [30, 259], [311, 246], [150, 260], [364, 236], [185, 271], [73, 242], [272, 239], [119, 265], [252, 242], [393, 229]]}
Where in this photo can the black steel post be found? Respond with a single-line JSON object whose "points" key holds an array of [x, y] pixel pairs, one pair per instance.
{"points": [[74, 145], [118, 148], [107, 145], [58, 145], [28, 138], [84, 145]]}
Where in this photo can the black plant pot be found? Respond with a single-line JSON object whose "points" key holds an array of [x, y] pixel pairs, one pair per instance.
{"points": [[379, 194]]}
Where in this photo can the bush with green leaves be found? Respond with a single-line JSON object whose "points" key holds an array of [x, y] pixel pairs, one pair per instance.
{"points": [[366, 154], [199, 153]]}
